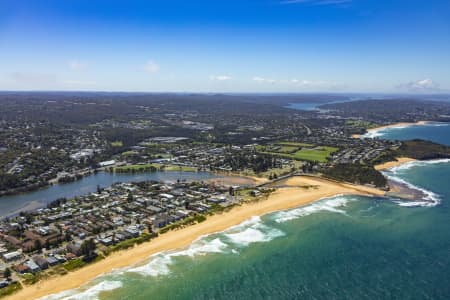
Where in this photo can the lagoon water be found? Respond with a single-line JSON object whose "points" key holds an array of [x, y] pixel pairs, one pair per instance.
{"points": [[13, 203], [339, 248]]}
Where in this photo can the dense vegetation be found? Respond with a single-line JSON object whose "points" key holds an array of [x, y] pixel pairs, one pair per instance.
{"points": [[257, 162], [420, 149], [356, 173], [417, 149]]}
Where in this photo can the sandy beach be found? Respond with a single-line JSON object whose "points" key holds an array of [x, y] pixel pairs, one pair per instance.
{"points": [[241, 180], [400, 124], [295, 191], [391, 164]]}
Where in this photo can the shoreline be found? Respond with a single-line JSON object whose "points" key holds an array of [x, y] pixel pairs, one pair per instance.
{"points": [[296, 191], [394, 125], [395, 163]]}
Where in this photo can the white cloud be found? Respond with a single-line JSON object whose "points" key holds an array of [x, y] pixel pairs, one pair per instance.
{"points": [[151, 67], [309, 82], [76, 65], [220, 77], [264, 80], [424, 85]]}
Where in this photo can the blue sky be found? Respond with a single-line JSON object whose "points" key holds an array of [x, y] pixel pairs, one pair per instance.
{"points": [[226, 46]]}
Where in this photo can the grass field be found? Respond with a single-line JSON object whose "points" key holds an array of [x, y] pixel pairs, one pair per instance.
{"points": [[117, 144], [299, 151]]}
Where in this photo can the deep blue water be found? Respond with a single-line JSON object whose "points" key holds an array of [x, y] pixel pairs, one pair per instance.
{"points": [[345, 247], [435, 132]]}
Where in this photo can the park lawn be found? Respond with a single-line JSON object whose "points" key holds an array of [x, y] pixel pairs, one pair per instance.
{"points": [[294, 144], [319, 154], [128, 153], [117, 144], [288, 149]]}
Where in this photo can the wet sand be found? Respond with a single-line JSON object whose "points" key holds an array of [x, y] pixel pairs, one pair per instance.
{"points": [[391, 164], [296, 191]]}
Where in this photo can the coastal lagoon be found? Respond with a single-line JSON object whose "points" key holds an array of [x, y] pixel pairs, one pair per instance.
{"points": [[31, 200], [344, 247]]}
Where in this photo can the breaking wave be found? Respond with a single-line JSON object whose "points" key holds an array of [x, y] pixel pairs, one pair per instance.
{"points": [[328, 204], [251, 231], [430, 198], [89, 294], [382, 131], [417, 163]]}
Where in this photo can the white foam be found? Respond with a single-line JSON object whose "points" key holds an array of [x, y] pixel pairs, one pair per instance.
{"points": [[327, 204], [203, 247], [89, 294], [382, 131], [157, 265], [251, 231], [372, 134], [430, 198], [418, 163]]}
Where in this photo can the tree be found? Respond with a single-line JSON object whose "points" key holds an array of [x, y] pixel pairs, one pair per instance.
{"points": [[231, 191], [37, 245], [130, 197], [88, 248], [7, 273], [47, 244]]}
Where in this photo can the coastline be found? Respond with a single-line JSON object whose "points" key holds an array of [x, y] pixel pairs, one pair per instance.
{"points": [[395, 125], [392, 164], [296, 191]]}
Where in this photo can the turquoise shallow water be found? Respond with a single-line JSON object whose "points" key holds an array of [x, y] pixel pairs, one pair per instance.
{"points": [[339, 248]]}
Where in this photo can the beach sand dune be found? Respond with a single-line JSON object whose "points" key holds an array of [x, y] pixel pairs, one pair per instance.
{"points": [[297, 191]]}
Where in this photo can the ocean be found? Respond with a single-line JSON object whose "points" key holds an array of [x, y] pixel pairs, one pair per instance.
{"points": [[436, 132], [344, 247]]}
